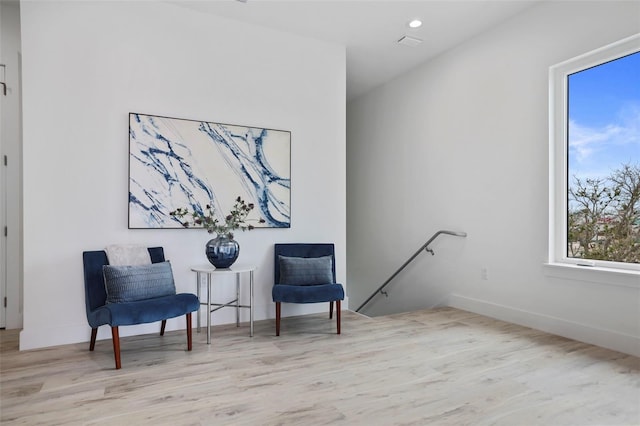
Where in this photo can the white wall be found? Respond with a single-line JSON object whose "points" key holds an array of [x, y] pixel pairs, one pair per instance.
{"points": [[462, 143], [10, 182], [86, 66]]}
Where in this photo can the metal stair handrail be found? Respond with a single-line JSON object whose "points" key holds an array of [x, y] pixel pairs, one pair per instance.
{"points": [[424, 247]]}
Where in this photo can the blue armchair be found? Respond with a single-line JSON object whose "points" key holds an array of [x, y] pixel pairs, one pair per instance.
{"points": [[306, 273], [127, 308]]}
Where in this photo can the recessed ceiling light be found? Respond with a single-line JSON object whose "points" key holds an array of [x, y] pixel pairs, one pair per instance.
{"points": [[416, 23]]}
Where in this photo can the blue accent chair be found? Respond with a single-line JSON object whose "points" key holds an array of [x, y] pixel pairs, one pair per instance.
{"points": [[306, 293], [138, 312]]}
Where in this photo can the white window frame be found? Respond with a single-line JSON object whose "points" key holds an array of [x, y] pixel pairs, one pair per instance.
{"points": [[558, 152]]}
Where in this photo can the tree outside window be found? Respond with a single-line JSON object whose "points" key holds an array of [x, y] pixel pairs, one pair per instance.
{"points": [[603, 159]]}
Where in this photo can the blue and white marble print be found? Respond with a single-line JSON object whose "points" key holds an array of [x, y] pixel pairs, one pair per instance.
{"points": [[184, 163]]}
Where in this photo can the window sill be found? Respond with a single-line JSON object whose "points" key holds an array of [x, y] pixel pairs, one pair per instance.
{"points": [[594, 274]]}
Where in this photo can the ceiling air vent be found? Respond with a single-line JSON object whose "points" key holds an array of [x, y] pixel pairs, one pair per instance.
{"points": [[409, 41]]}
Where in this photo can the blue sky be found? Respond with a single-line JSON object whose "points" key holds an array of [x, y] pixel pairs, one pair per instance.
{"points": [[604, 117]]}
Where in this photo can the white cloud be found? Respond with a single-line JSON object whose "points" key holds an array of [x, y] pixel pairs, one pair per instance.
{"points": [[585, 141], [620, 137]]}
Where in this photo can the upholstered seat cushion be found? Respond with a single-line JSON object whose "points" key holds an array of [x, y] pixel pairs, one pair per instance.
{"points": [[143, 311], [307, 293]]}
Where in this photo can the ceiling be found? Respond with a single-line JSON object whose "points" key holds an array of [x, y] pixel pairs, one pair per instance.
{"points": [[370, 29]]}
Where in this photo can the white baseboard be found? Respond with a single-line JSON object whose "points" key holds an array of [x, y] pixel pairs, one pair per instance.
{"points": [[584, 333], [40, 337]]}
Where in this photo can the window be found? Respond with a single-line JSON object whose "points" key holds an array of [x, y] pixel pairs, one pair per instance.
{"points": [[595, 158]]}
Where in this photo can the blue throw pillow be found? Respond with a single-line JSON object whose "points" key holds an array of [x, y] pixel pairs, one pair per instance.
{"points": [[306, 270], [131, 283]]}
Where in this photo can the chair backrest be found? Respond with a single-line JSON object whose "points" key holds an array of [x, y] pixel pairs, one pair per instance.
{"points": [[94, 292], [303, 250]]}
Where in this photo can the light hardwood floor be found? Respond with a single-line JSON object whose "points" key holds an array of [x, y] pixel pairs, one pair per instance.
{"points": [[434, 367]]}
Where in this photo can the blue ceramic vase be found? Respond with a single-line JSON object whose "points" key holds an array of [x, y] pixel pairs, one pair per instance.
{"points": [[222, 251]]}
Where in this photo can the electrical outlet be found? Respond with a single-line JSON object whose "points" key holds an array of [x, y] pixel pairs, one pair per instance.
{"points": [[484, 273]]}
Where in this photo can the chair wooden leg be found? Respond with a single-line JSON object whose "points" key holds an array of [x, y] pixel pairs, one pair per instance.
{"points": [[278, 312], [94, 334], [164, 324], [330, 309], [189, 341], [338, 314], [116, 346]]}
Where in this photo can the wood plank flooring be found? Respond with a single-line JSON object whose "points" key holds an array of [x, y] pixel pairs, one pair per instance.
{"points": [[433, 367]]}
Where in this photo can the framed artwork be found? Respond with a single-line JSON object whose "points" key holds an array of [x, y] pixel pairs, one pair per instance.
{"points": [[176, 163]]}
